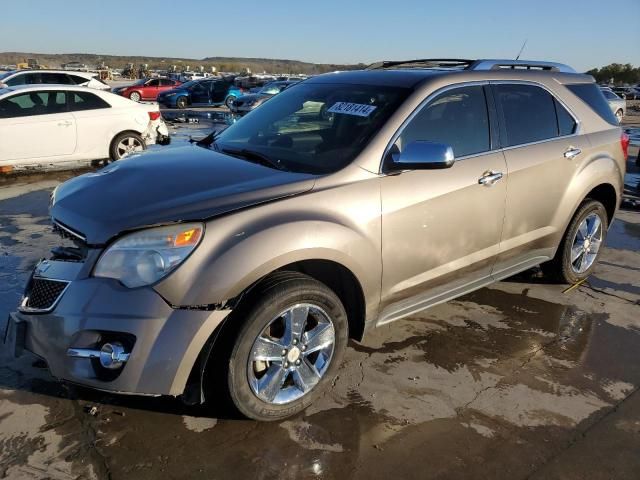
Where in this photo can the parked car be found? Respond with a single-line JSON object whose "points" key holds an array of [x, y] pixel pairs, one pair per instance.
{"points": [[245, 103], [631, 93], [53, 77], [618, 105], [249, 258], [198, 93], [147, 88], [57, 123]]}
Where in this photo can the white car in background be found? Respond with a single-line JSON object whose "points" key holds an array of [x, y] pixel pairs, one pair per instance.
{"points": [[56, 77], [51, 124]]}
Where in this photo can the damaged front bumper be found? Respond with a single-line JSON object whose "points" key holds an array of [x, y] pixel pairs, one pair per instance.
{"points": [[160, 344]]}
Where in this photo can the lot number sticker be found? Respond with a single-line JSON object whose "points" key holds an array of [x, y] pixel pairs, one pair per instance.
{"points": [[358, 109]]}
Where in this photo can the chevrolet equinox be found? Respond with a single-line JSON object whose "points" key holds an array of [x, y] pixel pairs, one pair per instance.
{"points": [[238, 267]]}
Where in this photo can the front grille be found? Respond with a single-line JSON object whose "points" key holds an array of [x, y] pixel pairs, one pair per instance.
{"points": [[43, 293]]}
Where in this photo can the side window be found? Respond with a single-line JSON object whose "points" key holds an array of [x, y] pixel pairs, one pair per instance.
{"points": [[566, 123], [86, 101], [219, 86], [165, 82], [17, 80], [33, 103], [528, 112], [592, 96], [458, 118], [55, 78], [152, 83]]}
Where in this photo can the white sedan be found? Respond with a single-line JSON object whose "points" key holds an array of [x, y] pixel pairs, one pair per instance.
{"points": [[52, 124]]}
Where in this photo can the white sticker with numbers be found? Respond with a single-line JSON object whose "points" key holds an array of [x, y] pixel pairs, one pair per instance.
{"points": [[357, 109]]}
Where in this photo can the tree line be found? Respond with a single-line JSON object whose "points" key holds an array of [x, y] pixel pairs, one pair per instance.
{"points": [[617, 73]]}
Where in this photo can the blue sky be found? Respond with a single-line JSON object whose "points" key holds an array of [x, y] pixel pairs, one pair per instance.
{"points": [[583, 33]]}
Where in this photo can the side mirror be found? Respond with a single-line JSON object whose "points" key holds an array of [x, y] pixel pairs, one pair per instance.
{"points": [[422, 155]]}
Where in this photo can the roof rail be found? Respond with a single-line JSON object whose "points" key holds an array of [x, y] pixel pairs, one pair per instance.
{"points": [[487, 64], [464, 64], [436, 63]]}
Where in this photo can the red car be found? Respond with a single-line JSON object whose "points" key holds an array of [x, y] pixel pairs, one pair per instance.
{"points": [[147, 88]]}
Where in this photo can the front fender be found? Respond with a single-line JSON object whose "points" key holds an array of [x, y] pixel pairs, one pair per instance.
{"points": [[233, 257]]}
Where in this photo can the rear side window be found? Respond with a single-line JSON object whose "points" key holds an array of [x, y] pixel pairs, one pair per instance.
{"points": [[528, 111], [78, 80], [590, 94], [59, 78], [86, 101], [457, 118], [566, 123]]}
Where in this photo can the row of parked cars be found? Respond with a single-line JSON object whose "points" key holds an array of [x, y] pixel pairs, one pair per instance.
{"points": [[211, 91], [52, 117]]}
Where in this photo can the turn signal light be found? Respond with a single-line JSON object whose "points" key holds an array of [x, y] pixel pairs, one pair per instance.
{"points": [[154, 115], [187, 237]]}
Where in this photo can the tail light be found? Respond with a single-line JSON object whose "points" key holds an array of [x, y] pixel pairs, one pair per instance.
{"points": [[156, 116], [624, 143]]}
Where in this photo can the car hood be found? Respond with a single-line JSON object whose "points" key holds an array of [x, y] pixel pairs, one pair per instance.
{"points": [[179, 184]]}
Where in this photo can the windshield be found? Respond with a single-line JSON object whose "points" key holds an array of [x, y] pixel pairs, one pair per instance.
{"points": [[139, 82], [314, 127], [271, 88]]}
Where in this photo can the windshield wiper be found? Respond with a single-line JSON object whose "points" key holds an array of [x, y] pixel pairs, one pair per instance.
{"points": [[206, 141], [255, 157]]}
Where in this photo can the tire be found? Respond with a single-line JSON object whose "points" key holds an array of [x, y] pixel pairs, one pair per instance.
{"points": [[229, 100], [562, 267], [243, 375], [124, 144], [619, 115], [181, 102], [135, 96]]}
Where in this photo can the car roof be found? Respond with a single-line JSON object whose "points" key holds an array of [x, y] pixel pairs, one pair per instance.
{"points": [[49, 70], [46, 86]]}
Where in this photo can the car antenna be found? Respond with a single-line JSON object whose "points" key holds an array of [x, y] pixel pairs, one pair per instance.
{"points": [[520, 52]]}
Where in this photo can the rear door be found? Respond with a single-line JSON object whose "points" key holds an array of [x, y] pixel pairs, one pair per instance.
{"points": [[97, 123], [200, 93], [151, 89], [543, 148], [441, 229], [36, 125]]}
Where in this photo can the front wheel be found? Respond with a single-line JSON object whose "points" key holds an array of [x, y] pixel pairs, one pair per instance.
{"points": [[135, 96], [287, 349], [581, 245], [181, 102]]}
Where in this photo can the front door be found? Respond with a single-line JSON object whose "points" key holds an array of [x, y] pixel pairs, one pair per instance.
{"points": [[36, 125], [200, 93], [441, 228]]}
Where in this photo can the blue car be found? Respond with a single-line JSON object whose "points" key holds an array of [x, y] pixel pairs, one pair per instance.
{"points": [[207, 92]]}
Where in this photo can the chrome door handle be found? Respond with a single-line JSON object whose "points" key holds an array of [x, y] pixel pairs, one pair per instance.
{"points": [[572, 152], [66, 123], [489, 178]]}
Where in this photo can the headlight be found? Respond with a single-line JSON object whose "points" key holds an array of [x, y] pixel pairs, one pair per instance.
{"points": [[144, 257]]}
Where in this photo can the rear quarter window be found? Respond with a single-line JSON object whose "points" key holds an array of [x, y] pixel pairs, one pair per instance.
{"points": [[590, 94]]}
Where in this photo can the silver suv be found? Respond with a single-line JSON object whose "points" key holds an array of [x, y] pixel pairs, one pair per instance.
{"points": [[237, 268]]}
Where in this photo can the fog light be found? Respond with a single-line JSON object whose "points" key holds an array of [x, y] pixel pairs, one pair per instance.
{"points": [[113, 355]]}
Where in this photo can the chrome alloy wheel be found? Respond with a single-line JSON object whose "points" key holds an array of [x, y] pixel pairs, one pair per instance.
{"points": [[128, 145], [291, 354], [586, 243]]}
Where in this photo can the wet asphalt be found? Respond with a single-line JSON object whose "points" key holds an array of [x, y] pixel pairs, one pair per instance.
{"points": [[518, 380]]}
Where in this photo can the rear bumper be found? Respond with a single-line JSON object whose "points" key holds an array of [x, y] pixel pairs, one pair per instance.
{"points": [[164, 342]]}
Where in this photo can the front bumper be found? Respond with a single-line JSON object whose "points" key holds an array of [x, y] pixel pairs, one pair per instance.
{"points": [[164, 342]]}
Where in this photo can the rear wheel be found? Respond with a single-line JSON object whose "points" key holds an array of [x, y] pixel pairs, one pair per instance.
{"points": [[229, 101], [286, 348], [135, 96], [181, 102], [125, 144], [582, 243], [619, 115]]}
